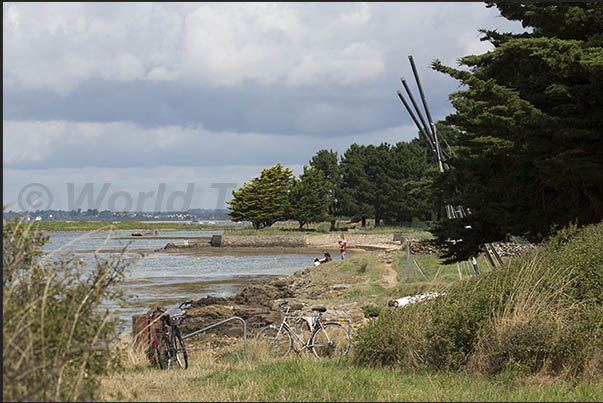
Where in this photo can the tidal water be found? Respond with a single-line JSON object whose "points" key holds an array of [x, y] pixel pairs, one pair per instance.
{"points": [[168, 279]]}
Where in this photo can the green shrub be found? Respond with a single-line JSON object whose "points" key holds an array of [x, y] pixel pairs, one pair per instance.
{"points": [[56, 340], [541, 314], [371, 311], [581, 250]]}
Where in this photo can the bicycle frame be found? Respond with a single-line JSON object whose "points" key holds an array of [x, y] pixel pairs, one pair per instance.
{"points": [[304, 344], [170, 333]]}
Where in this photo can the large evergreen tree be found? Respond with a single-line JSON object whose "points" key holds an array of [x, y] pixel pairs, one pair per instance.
{"points": [[530, 157], [309, 197], [358, 185], [385, 182], [328, 163], [265, 200]]}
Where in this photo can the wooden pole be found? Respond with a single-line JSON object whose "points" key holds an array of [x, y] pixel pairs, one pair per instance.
{"points": [[408, 258]]}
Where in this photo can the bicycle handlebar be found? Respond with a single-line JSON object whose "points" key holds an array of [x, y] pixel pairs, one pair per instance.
{"points": [[189, 302]]}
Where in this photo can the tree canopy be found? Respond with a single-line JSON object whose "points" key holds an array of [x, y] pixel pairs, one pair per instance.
{"points": [[309, 197], [530, 156], [265, 200]]}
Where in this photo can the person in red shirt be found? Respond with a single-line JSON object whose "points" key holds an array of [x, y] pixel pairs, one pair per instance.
{"points": [[326, 259], [342, 249]]}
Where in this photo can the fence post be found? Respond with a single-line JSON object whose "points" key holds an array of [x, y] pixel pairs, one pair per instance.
{"points": [[140, 330]]}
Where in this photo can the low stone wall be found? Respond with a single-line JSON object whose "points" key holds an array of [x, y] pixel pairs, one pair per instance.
{"points": [[352, 240], [262, 241]]}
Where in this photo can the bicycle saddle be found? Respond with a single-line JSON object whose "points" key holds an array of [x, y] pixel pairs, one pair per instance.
{"points": [[319, 309]]}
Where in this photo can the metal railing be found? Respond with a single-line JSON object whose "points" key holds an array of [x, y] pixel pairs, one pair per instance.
{"points": [[196, 332]]}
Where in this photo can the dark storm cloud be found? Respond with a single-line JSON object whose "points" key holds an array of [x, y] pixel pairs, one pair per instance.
{"points": [[326, 111]]}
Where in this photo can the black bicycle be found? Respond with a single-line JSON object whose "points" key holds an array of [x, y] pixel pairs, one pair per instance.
{"points": [[168, 341]]}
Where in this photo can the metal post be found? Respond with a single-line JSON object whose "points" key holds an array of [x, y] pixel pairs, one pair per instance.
{"points": [[412, 115], [414, 103], [419, 268], [489, 256], [496, 255], [414, 71]]}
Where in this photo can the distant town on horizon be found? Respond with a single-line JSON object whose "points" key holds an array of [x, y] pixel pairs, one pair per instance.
{"points": [[192, 215]]}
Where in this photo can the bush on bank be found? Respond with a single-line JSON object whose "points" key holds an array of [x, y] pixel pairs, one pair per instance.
{"points": [[543, 314], [57, 342]]}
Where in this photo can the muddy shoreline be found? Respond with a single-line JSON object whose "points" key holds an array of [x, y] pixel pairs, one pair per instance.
{"points": [[231, 251]]}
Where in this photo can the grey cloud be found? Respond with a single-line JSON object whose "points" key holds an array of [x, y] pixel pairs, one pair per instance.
{"points": [[326, 111], [63, 144]]}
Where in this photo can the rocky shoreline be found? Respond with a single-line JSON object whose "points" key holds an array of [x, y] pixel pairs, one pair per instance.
{"points": [[257, 304]]}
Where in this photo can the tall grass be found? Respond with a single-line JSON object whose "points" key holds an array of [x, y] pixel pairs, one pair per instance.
{"points": [[258, 377], [56, 340], [540, 315]]}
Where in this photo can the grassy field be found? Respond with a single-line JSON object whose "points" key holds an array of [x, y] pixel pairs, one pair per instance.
{"points": [[364, 274], [255, 377]]}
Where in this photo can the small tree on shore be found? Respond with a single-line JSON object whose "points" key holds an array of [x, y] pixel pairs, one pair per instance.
{"points": [[309, 197], [264, 200]]}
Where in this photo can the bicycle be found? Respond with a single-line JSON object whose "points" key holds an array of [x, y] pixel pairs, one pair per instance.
{"points": [[325, 339], [168, 342]]}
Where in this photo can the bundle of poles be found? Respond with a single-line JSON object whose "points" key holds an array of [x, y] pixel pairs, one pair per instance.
{"points": [[429, 133]]}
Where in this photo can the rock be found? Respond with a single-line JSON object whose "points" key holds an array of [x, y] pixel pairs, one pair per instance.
{"points": [[209, 300], [511, 249], [264, 294], [216, 240], [421, 247]]}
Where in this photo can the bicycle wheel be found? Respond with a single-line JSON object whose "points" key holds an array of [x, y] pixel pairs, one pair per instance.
{"points": [[180, 350], [330, 340], [162, 351], [278, 342]]}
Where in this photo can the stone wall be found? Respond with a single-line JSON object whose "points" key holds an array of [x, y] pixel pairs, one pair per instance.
{"points": [[262, 240], [331, 240], [351, 240]]}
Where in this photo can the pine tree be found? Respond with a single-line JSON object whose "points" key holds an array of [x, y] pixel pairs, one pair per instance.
{"points": [[309, 197], [328, 163], [358, 186], [265, 200], [530, 155]]}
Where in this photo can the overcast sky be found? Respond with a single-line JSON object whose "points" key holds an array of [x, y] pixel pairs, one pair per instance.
{"points": [[139, 94]]}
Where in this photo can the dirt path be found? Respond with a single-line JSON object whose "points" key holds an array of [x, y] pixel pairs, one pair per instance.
{"points": [[391, 278]]}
